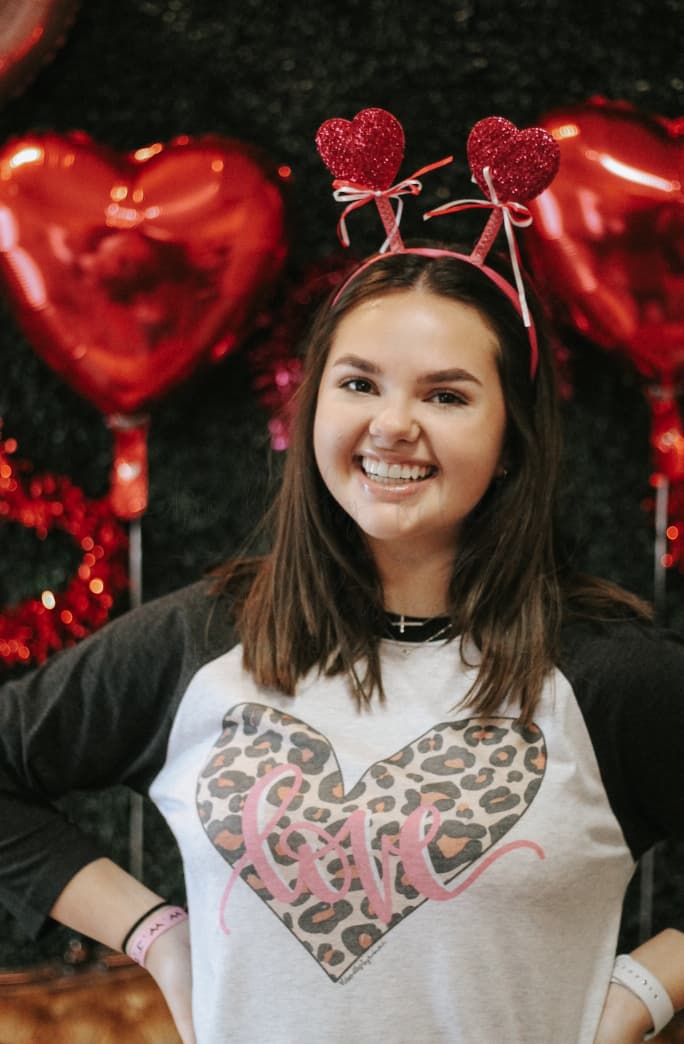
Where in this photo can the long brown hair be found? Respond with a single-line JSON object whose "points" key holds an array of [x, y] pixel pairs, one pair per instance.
{"points": [[316, 599]]}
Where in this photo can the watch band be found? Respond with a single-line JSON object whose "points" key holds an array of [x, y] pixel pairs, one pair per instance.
{"points": [[649, 989]]}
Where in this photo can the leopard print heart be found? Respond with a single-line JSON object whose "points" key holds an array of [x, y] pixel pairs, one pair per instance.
{"points": [[366, 151], [521, 163], [341, 869]]}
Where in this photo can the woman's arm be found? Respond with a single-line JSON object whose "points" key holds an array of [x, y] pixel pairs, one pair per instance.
{"points": [[95, 715], [627, 678], [102, 901], [625, 1018]]}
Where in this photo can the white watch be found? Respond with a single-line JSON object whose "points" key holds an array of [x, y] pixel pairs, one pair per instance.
{"points": [[649, 989]]}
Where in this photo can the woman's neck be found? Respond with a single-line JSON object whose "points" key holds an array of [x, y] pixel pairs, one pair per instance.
{"points": [[415, 584]]}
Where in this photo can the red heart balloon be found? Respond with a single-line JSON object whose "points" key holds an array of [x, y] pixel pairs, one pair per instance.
{"points": [[607, 243], [125, 271], [521, 163], [366, 151], [30, 34]]}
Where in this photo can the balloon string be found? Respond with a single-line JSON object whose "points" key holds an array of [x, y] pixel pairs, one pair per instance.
{"points": [[646, 887], [136, 835], [647, 863], [662, 503], [135, 563]]}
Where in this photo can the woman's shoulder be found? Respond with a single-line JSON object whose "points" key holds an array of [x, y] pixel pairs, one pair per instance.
{"points": [[609, 627], [623, 655], [195, 616], [627, 676], [170, 635]]}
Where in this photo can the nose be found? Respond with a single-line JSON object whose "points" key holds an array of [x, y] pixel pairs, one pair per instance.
{"points": [[393, 422]]}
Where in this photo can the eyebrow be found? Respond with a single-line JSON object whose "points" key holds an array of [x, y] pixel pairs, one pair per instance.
{"points": [[436, 377], [456, 374], [357, 363]]}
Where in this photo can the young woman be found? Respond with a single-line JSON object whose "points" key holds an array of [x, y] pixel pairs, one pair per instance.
{"points": [[411, 781]]}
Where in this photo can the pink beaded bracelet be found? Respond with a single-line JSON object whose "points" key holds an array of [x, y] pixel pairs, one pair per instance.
{"points": [[140, 942]]}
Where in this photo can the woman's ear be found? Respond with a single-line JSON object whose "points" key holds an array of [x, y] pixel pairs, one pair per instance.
{"points": [[504, 466]]}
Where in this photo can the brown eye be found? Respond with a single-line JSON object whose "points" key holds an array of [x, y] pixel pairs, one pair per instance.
{"points": [[357, 384], [448, 398]]}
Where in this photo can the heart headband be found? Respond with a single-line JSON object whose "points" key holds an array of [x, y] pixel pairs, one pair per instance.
{"points": [[510, 166]]}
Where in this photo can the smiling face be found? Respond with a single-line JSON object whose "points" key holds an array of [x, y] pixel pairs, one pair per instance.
{"points": [[410, 419]]}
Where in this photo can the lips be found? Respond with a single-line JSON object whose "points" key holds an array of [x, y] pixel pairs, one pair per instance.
{"points": [[395, 473]]}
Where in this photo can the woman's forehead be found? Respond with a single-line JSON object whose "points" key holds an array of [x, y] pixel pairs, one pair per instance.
{"points": [[413, 319]]}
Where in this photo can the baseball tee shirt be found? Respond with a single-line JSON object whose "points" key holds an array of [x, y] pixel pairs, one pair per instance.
{"points": [[412, 871]]}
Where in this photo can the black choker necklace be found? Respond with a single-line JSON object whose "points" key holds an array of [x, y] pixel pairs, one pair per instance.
{"points": [[418, 629]]}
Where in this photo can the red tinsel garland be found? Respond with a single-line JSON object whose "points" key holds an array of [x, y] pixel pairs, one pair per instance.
{"points": [[32, 630]]}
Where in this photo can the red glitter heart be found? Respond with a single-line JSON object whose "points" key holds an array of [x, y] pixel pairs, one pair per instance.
{"points": [[366, 151], [521, 163]]}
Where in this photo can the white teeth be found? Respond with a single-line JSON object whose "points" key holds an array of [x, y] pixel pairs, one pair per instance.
{"points": [[375, 467], [380, 469]]}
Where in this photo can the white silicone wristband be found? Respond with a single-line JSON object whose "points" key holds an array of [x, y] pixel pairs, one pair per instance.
{"points": [[644, 985]]}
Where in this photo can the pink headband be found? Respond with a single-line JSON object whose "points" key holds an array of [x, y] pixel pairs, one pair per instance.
{"points": [[510, 166], [510, 291]]}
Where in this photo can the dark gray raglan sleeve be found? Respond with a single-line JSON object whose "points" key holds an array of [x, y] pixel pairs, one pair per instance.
{"points": [[628, 679], [93, 716]]}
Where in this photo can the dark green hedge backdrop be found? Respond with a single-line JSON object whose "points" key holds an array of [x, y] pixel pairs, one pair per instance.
{"points": [[136, 71]]}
